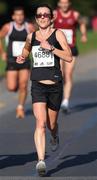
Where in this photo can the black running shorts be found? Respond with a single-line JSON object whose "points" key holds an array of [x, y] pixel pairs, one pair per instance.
{"points": [[14, 66], [50, 94], [74, 51]]}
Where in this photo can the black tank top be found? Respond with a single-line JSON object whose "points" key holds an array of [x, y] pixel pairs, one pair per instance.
{"points": [[46, 65], [16, 41]]}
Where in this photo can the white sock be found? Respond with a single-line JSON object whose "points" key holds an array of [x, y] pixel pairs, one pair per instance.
{"points": [[65, 102]]}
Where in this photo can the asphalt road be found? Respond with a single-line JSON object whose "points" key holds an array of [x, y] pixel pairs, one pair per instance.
{"points": [[77, 155]]}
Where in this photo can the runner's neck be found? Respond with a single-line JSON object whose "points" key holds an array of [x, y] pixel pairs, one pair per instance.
{"points": [[45, 32], [19, 26], [65, 14]]}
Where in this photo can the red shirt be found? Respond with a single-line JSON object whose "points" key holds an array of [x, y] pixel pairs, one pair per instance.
{"points": [[94, 23], [68, 26]]}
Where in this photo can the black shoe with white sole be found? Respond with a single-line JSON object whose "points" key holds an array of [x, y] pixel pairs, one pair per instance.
{"points": [[54, 141]]}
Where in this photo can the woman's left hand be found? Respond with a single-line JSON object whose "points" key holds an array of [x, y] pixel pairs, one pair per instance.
{"points": [[84, 39], [45, 45]]}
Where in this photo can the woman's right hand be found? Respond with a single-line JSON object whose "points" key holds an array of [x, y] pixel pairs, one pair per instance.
{"points": [[20, 59]]}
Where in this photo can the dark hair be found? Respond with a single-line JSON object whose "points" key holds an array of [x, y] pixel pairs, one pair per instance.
{"points": [[18, 8], [42, 6]]}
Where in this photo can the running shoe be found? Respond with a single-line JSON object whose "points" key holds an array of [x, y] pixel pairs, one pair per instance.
{"points": [[20, 113], [54, 141], [41, 168]]}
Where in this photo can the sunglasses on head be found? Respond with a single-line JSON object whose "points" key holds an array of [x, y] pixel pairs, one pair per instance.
{"points": [[45, 15]]}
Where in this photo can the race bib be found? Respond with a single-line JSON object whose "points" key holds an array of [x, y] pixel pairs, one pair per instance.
{"points": [[69, 35], [42, 57], [17, 47]]}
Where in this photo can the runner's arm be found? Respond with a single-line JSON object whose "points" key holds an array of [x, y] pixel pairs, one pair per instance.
{"points": [[26, 50], [64, 54], [3, 32], [83, 28], [1, 48], [83, 31], [27, 47]]}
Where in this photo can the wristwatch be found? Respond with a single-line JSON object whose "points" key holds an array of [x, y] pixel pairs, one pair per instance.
{"points": [[52, 48]]}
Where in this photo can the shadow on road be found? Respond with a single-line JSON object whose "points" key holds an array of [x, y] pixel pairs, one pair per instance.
{"points": [[74, 160], [81, 107], [16, 160]]}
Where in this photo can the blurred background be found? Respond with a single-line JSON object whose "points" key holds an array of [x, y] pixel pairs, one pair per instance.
{"points": [[77, 155], [88, 10]]}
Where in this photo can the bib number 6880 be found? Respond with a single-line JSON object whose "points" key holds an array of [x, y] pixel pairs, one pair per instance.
{"points": [[42, 54]]}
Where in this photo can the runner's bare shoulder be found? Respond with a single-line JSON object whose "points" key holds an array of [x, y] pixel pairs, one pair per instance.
{"points": [[76, 15], [55, 14], [31, 27], [5, 29], [60, 35]]}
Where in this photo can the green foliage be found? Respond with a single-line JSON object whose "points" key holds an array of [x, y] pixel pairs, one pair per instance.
{"points": [[91, 44], [3, 7], [86, 8], [2, 67]]}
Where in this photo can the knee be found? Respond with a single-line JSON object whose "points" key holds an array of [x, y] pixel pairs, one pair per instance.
{"points": [[11, 88], [41, 127], [22, 86]]}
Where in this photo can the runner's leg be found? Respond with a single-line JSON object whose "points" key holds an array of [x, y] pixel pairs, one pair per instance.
{"points": [[53, 127], [39, 110], [23, 84], [67, 69], [12, 80], [52, 121]]}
